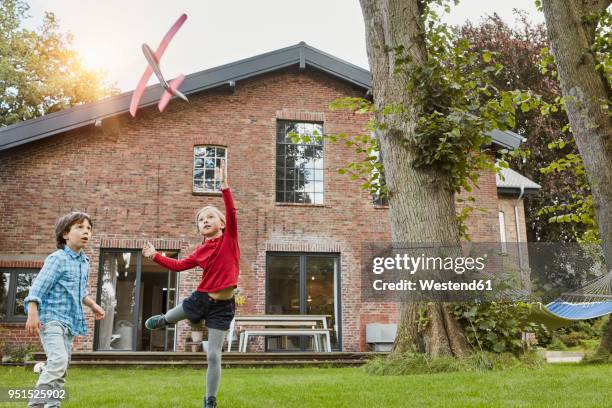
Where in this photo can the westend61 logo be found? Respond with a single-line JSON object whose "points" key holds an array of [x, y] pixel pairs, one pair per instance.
{"points": [[475, 271]]}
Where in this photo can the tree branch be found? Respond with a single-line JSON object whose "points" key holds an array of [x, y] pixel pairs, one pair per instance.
{"points": [[588, 9], [594, 6]]}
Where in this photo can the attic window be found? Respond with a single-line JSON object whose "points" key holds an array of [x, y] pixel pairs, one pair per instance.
{"points": [[205, 159]]}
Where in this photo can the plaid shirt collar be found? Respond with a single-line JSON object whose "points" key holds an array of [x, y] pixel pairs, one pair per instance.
{"points": [[79, 257]]}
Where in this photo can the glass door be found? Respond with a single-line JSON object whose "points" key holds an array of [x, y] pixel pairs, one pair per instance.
{"points": [[283, 296], [321, 299], [157, 295], [130, 290], [118, 295], [303, 284]]}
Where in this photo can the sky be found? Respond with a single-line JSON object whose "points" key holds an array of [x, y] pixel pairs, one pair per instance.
{"points": [[109, 34]]}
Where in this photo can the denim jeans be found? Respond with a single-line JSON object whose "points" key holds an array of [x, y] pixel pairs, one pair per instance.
{"points": [[57, 342]]}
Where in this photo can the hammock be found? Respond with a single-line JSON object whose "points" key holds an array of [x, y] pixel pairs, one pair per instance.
{"points": [[593, 300]]}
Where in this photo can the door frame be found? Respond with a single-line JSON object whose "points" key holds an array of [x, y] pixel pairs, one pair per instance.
{"points": [[302, 286], [138, 252]]}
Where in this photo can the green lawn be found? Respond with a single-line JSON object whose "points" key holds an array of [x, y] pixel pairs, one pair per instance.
{"points": [[553, 386]]}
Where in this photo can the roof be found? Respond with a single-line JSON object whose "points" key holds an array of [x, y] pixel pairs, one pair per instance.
{"points": [[510, 182], [301, 55]]}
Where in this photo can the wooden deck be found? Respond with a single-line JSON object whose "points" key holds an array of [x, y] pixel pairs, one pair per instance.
{"points": [[198, 360]]}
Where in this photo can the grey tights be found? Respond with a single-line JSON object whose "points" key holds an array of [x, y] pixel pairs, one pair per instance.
{"points": [[213, 354]]}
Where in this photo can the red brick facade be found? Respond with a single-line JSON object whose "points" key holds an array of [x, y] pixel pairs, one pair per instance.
{"points": [[134, 177]]}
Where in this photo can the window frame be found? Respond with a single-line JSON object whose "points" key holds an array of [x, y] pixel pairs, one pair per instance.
{"points": [[193, 170], [313, 201], [9, 308]]}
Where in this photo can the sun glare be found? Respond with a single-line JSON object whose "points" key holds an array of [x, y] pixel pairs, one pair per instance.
{"points": [[93, 59]]}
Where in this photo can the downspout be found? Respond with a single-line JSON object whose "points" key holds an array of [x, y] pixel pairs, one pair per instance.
{"points": [[518, 235]]}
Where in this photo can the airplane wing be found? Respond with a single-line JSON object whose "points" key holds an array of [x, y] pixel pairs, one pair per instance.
{"points": [[140, 88], [171, 91]]}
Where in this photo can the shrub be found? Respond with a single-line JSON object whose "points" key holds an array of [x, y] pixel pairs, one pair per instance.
{"points": [[17, 353], [583, 333], [497, 326]]}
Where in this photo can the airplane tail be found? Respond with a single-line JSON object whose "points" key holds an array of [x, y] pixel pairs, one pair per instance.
{"points": [[172, 90]]}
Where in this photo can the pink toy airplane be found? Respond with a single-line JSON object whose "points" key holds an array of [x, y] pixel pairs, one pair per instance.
{"points": [[170, 88]]}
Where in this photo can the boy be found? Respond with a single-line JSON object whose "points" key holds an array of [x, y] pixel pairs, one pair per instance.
{"points": [[55, 302]]}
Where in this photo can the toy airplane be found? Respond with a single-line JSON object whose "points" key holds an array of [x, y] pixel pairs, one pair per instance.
{"points": [[153, 58]]}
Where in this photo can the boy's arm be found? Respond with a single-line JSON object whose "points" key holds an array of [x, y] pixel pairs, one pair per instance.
{"points": [[46, 278], [43, 282], [33, 323], [96, 308]]}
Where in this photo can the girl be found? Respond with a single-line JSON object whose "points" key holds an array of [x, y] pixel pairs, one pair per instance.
{"points": [[213, 300]]}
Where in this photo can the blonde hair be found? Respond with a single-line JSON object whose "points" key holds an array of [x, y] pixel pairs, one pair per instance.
{"points": [[213, 209]]}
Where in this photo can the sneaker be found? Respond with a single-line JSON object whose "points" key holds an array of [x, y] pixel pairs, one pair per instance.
{"points": [[155, 322], [210, 402]]}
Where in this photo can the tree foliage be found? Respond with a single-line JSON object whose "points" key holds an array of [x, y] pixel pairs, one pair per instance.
{"points": [[39, 71], [460, 106], [579, 209], [523, 50]]}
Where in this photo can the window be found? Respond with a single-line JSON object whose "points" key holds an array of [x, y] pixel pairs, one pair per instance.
{"points": [[14, 287], [299, 166], [205, 159]]}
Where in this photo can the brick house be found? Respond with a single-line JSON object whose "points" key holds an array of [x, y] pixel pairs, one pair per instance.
{"points": [[142, 179]]}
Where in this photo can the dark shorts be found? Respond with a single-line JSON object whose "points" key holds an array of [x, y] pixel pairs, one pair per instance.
{"points": [[218, 314]]}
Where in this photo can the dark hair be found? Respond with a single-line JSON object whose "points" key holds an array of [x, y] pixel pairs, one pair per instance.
{"points": [[63, 224]]}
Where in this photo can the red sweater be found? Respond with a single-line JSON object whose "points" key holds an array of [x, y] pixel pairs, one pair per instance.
{"points": [[219, 258]]}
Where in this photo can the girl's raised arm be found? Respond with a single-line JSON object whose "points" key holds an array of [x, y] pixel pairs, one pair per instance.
{"points": [[231, 225]]}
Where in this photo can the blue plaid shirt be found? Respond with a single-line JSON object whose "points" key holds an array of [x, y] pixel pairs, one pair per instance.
{"points": [[59, 289]]}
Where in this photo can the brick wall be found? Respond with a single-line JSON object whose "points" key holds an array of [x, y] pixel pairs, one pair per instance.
{"points": [[134, 177], [483, 224]]}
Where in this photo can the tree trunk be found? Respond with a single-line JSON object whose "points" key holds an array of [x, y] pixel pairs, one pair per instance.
{"points": [[421, 211], [585, 91]]}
